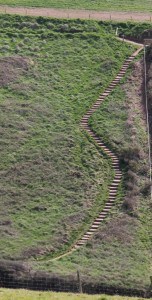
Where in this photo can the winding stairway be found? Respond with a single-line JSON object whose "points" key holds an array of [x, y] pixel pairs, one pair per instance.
{"points": [[115, 161]]}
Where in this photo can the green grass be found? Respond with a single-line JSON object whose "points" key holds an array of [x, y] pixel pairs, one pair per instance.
{"points": [[122, 246], [54, 180], [129, 5], [7, 294]]}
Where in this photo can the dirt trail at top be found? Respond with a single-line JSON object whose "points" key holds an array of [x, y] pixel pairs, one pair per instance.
{"points": [[82, 14]]}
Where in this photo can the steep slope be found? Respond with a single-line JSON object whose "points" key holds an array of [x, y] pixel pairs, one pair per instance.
{"points": [[55, 180], [120, 252]]}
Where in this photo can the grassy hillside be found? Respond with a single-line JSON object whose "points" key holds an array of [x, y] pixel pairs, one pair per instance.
{"points": [[28, 295], [119, 253], [54, 180], [123, 244], [118, 5]]}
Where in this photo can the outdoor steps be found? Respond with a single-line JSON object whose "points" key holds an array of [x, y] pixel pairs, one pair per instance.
{"points": [[113, 188]]}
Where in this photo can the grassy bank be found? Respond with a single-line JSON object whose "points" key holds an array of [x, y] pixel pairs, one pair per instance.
{"points": [[54, 180], [136, 5], [122, 245], [29, 295]]}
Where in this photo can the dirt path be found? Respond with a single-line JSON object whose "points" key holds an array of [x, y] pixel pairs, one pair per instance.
{"points": [[83, 14]]}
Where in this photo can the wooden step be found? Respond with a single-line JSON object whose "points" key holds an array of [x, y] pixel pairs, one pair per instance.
{"points": [[94, 226], [80, 243], [93, 229], [99, 219], [97, 223], [89, 233]]}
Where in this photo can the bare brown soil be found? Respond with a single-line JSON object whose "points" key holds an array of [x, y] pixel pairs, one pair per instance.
{"points": [[74, 14]]}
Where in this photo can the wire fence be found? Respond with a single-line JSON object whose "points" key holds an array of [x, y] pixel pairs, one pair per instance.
{"points": [[18, 276]]}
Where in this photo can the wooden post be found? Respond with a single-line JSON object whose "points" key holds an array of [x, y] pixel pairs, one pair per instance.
{"points": [[79, 282], [117, 31]]}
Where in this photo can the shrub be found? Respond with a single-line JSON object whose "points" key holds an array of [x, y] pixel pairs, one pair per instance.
{"points": [[129, 205], [50, 26], [21, 44], [130, 185], [5, 48], [131, 153], [24, 24], [64, 28], [145, 189], [17, 49], [131, 175], [26, 40], [34, 26]]}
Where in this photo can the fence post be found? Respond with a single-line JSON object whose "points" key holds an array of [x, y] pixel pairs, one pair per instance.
{"points": [[79, 282]]}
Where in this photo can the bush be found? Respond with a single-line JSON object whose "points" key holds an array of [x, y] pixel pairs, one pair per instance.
{"points": [[34, 26], [131, 175], [50, 26], [26, 40], [64, 28], [129, 205], [145, 189], [131, 153], [21, 44], [5, 48]]}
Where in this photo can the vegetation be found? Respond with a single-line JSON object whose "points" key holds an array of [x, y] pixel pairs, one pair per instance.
{"points": [[54, 180], [126, 234], [29, 295], [129, 5]]}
